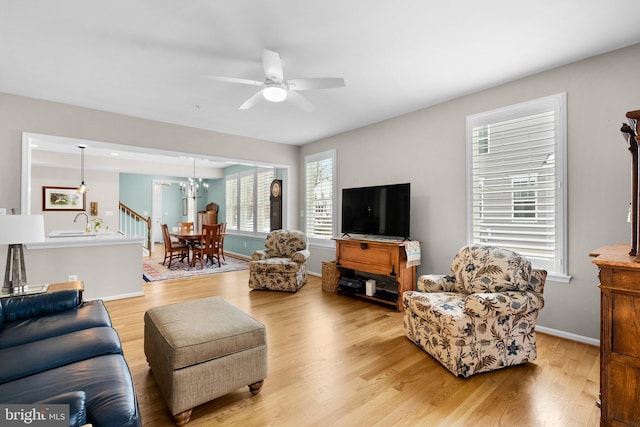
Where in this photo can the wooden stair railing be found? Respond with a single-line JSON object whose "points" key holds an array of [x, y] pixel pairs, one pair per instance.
{"points": [[134, 224]]}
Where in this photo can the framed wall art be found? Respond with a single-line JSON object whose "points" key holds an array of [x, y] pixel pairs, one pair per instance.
{"points": [[63, 199]]}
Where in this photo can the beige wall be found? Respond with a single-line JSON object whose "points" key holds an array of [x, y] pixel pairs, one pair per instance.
{"points": [[427, 148], [104, 191], [20, 114]]}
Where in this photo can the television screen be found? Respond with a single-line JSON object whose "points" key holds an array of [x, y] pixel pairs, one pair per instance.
{"points": [[381, 210]]}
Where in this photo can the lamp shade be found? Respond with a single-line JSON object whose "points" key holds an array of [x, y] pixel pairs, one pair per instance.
{"points": [[16, 229]]}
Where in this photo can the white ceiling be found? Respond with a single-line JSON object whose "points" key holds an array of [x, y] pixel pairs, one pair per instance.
{"points": [[150, 58]]}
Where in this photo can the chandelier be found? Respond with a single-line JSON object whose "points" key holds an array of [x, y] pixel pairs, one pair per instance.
{"points": [[194, 187]]}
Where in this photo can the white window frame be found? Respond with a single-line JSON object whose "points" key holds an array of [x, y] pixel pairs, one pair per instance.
{"points": [[330, 155], [517, 183], [237, 177], [557, 268]]}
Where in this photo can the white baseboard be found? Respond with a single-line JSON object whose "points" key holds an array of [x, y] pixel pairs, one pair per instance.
{"points": [[568, 335], [237, 255], [121, 296]]}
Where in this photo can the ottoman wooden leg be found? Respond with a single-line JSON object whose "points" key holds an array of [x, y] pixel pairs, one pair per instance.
{"points": [[256, 387], [183, 417]]}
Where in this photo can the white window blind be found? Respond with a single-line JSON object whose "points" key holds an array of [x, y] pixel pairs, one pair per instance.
{"points": [[265, 177], [231, 203], [516, 189], [247, 200], [320, 195]]}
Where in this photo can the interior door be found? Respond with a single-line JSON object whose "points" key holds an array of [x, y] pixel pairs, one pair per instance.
{"points": [[156, 213]]}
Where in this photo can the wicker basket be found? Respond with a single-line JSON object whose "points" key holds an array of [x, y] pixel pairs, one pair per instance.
{"points": [[330, 276]]}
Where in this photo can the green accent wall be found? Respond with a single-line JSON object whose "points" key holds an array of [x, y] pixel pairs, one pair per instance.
{"points": [[236, 244], [172, 205], [216, 194], [136, 191]]}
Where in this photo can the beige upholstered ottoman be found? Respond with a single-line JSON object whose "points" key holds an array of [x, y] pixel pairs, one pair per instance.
{"points": [[199, 350]]}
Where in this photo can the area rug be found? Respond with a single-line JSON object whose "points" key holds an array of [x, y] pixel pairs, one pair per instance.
{"points": [[154, 271]]}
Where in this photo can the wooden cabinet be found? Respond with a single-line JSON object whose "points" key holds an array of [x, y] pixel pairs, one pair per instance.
{"points": [[619, 335], [385, 258]]}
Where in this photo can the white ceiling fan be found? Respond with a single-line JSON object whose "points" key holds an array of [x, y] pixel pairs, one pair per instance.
{"points": [[276, 89]]}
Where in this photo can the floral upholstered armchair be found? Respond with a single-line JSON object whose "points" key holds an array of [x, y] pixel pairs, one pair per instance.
{"points": [[480, 318], [282, 265]]}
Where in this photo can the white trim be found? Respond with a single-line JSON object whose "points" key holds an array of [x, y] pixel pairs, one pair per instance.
{"points": [[237, 255], [557, 277], [323, 244], [25, 190], [556, 102], [568, 335], [248, 234]]}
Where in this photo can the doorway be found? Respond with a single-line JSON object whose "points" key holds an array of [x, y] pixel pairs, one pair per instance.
{"points": [[167, 207]]}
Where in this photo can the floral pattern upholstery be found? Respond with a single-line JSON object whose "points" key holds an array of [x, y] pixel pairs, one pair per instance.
{"points": [[480, 318], [282, 265]]}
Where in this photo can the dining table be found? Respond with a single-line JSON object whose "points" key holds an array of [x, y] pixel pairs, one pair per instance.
{"points": [[191, 237]]}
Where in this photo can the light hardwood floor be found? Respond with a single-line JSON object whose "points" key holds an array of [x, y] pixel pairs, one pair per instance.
{"points": [[340, 361]]}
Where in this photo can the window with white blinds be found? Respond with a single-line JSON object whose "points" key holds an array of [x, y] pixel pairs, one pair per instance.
{"points": [[247, 200], [247, 204], [320, 195], [516, 175], [231, 202], [263, 211]]}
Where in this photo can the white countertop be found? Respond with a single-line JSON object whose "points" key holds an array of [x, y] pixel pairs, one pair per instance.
{"points": [[68, 239]]}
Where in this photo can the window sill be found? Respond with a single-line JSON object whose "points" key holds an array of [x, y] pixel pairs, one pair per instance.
{"points": [[558, 277], [247, 234], [322, 244]]}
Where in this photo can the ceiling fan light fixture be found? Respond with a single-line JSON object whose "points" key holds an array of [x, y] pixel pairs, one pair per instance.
{"points": [[274, 93]]}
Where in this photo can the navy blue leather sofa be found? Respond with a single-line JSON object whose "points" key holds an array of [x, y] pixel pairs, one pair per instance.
{"points": [[55, 348]]}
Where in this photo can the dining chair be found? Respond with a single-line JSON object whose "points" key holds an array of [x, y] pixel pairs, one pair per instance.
{"points": [[223, 233], [185, 227], [173, 249], [208, 246]]}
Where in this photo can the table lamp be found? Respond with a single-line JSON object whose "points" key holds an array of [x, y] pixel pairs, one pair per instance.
{"points": [[15, 230]]}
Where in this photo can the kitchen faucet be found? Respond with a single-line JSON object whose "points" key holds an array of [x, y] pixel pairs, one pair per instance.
{"points": [[86, 225]]}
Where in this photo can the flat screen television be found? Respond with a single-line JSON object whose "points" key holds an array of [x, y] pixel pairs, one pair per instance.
{"points": [[381, 210]]}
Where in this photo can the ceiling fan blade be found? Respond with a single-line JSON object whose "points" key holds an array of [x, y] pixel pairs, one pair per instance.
{"points": [[300, 101], [272, 65], [236, 80], [315, 83], [252, 101]]}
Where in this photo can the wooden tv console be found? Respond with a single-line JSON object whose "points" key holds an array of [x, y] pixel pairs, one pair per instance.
{"points": [[380, 257]]}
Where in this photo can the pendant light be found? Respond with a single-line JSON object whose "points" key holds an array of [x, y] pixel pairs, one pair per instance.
{"points": [[83, 187]]}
